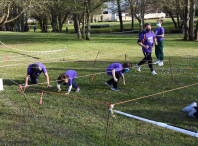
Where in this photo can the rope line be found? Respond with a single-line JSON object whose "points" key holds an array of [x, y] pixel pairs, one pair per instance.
{"points": [[32, 51], [156, 94]]}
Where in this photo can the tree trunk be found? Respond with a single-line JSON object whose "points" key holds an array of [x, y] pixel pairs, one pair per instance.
{"points": [[78, 26], [178, 22], [46, 23], [88, 21], [22, 22], [83, 26], [196, 32], [120, 16], [54, 21], [132, 15], [186, 23], [62, 22], [191, 22], [171, 15]]}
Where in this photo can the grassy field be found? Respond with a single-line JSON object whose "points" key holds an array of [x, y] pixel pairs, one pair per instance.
{"points": [[64, 120]]}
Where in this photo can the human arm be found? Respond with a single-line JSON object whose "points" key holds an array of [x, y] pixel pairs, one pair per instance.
{"points": [[58, 87], [47, 79], [160, 36], [123, 79], [114, 77], [70, 87], [26, 80], [141, 44]]}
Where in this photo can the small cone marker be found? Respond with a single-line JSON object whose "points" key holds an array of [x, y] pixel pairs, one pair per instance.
{"points": [[74, 60], [6, 58], [41, 98]]}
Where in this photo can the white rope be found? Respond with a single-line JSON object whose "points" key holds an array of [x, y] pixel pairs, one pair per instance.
{"points": [[164, 125], [32, 51]]}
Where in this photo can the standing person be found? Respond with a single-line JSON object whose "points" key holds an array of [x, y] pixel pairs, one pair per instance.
{"points": [[116, 70], [159, 32], [68, 78], [33, 73], [34, 28], [146, 41]]}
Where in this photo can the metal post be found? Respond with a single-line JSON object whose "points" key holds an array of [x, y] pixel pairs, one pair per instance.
{"points": [[96, 58], [107, 127], [171, 68]]}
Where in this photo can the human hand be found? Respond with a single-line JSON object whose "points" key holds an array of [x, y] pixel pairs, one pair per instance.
{"points": [[156, 43], [115, 79], [48, 85], [67, 93], [59, 89], [146, 47], [124, 83]]}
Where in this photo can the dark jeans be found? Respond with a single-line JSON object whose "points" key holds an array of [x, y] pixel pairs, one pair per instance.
{"points": [[111, 81], [73, 83], [147, 58], [159, 50], [34, 79]]}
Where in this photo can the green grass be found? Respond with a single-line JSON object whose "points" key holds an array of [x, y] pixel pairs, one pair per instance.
{"points": [[63, 120]]}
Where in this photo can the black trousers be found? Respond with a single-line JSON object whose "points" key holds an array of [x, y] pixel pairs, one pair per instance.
{"points": [[111, 81], [147, 58], [34, 79]]}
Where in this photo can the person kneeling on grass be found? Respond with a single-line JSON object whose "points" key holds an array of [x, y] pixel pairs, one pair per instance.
{"points": [[33, 73], [68, 78], [117, 70], [192, 110]]}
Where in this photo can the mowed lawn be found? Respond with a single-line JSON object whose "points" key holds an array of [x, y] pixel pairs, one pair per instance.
{"points": [[65, 120]]}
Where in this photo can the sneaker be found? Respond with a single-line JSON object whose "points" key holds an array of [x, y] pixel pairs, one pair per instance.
{"points": [[160, 64], [77, 90], [153, 73], [156, 62], [115, 89], [138, 67], [108, 84], [192, 112], [189, 107]]}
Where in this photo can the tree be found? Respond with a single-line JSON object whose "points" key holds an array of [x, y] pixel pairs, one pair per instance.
{"points": [[120, 16], [7, 6]]}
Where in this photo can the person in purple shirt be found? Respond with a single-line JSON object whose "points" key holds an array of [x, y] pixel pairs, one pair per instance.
{"points": [[33, 73], [117, 70], [146, 41], [159, 32], [68, 78]]}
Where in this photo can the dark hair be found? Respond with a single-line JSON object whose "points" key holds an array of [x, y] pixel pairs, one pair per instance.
{"points": [[147, 24], [36, 68], [161, 21], [127, 65], [62, 77]]}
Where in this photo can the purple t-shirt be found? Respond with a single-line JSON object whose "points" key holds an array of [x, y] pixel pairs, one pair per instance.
{"points": [[148, 41], [118, 68], [72, 74], [30, 71], [159, 31]]}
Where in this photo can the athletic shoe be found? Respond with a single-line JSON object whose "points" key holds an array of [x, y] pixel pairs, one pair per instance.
{"points": [[77, 90], [108, 84], [115, 89], [160, 64], [138, 67], [156, 62], [191, 113], [153, 73], [189, 107]]}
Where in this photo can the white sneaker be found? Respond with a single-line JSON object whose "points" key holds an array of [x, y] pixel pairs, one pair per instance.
{"points": [[191, 113], [156, 62], [138, 67], [189, 107], [153, 73], [160, 64]]}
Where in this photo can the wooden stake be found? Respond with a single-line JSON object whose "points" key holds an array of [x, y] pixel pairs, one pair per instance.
{"points": [[96, 58], [126, 57]]}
